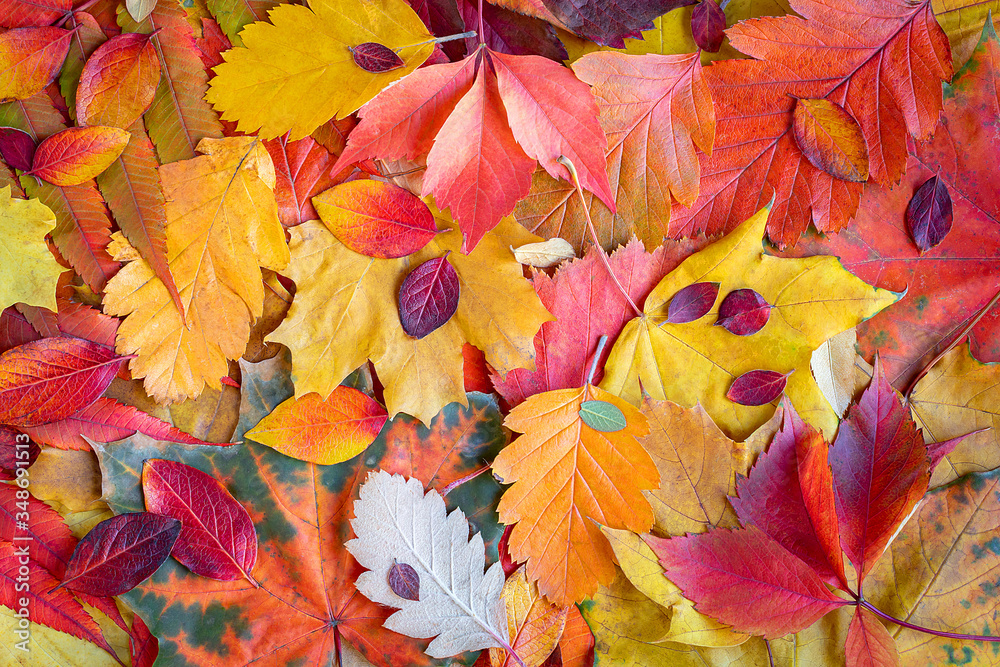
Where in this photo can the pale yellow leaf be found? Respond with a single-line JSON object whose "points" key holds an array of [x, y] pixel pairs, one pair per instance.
{"points": [[545, 254], [28, 271]]}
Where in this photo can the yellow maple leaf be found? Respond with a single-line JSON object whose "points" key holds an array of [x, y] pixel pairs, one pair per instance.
{"points": [[28, 271], [345, 313], [222, 227], [297, 72], [567, 478], [812, 299]]}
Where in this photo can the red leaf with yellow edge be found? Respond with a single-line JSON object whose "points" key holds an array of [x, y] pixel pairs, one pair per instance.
{"points": [[56, 609], [869, 644], [30, 58], [830, 139], [328, 431], [78, 154], [217, 538], [789, 496], [376, 219], [879, 59], [118, 82], [120, 552], [25, 13], [302, 169], [881, 468], [50, 379], [566, 476], [576, 646], [535, 624], [745, 579]]}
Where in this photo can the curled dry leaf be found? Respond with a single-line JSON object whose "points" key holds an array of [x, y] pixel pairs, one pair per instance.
{"points": [[217, 538], [929, 214], [78, 154], [428, 297], [120, 552], [546, 254], [830, 139], [375, 58], [30, 58], [757, 387], [118, 82], [692, 303], [17, 148], [743, 312]]}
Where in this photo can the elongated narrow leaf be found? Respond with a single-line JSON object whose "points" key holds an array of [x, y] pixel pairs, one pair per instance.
{"points": [[30, 58], [50, 379], [78, 154], [120, 552], [87, 36], [217, 537], [118, 82], [459, 605]]}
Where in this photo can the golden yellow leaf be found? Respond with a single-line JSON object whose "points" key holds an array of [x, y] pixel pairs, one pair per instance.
{"points": [[222, 227], [28, 271], [345, 313], [568, 477], [957, 396], [534, 623], [963, 22], [297, 72], [812, 299], [47, 647]]}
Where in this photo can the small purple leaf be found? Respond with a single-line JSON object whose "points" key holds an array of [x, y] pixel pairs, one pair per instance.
{"points": [[375, 58], [928, 217], [692, 303], [17, 148], [428, 297], [404, 581], [757, 387], [743, 312], [708, 25]]}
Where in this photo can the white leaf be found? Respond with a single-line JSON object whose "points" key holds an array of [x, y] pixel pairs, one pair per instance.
{"points": [[458, 603], [544, 254], [140, 9], [840, 373]]}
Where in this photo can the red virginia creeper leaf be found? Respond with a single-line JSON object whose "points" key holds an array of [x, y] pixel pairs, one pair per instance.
{"points": [[869, 644], [428, 297], [743, 312]]}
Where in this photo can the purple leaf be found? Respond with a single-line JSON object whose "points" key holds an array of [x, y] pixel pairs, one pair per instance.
{"points": [[757, 387], [404, 581], [17, 148], [743, 312], [928, 217], [375, 58], [428, 297], [708, 25], [692, 303]]}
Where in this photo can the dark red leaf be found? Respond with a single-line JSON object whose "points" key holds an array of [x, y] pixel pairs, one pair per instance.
{"points": [[746, 580], [608, 22], [708, 25], [789, 496], [757, 387], [17, 148], [375, 58], [17, 450], [509, 32], [121, 552], [743, 312], [881, 469], [692, 303], [218, 539], [404, 581], [508, 564], [15, 328], [428, 297], [442, 17], [143, 646], [928, 217]]}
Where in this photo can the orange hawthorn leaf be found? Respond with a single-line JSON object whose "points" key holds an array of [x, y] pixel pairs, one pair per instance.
{"points": [[745, 579], [830, 139], [217, 537], [118, 82], [78, 154], [567, 478], [869, 644], [534, 623], [655, 109], [576, 646], [30, 58], [376, 219], [881, 60], [328, 431]]}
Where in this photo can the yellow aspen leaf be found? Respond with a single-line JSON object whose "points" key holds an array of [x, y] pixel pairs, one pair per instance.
{"points": [[534, 623], [222, 227], [28, 271], [297, 71], [345, 313], [568, 477], [812, 299]]}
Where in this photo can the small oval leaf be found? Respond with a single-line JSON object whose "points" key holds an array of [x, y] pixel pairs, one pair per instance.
{"points": [[743, 312], [16, 450], [831, 139], [120, 553], [17, 148], [375, 58], [545, 254], [404, 581], [692, 303], [757, 387], [708, 25], [78, 154], [602, 416], [376, 219], [929, 215], [118, 82], [428, 297]]}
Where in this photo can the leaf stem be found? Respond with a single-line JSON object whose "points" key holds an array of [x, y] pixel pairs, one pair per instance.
{"points": [[446, 38], [938, 633], [481, 25], [459, 482], [955, 341], [566, 162], [770, 656], [602, 341]]}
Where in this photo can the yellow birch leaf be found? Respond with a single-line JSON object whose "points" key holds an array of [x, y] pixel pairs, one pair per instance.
{"points": [[812, 299], [47, 647], [534, 623], [28, 271], [345, 313], [222, 227], [297, 72]]}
